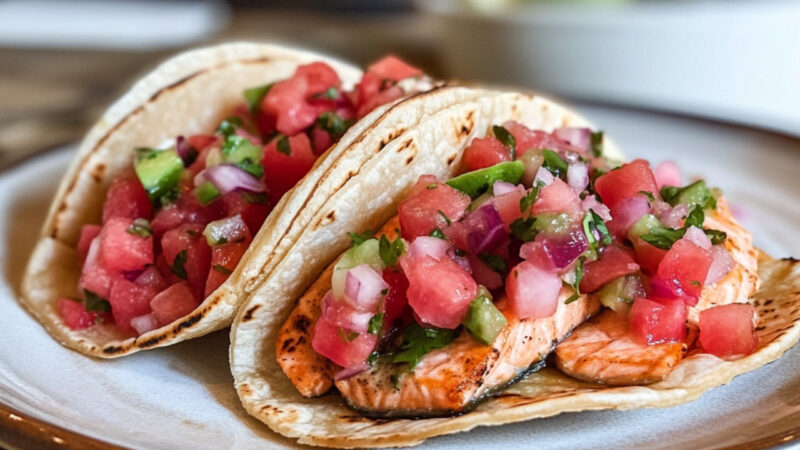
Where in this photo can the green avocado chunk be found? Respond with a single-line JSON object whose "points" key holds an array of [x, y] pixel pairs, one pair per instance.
{"points": [[159, 171]]}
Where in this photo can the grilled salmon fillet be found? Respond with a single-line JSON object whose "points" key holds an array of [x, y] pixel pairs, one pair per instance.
{"points": [[452, 379], [446, 380], [603, 350]]}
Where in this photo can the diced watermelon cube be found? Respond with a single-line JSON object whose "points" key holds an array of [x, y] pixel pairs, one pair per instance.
{"points": [[127, 198], [532, 292], [173, 303], [507, 206], [682, 272], [224, 259], [613, 263], [647, 255], [187, 209], [557, 197], [658, 320], [485, 152], [396, 302], [121, 250], [88, 233], [281, 170], [328, 340], [419, 212], [129, 300], [75, 316], [152, 278], [251, 209], [439, 291], [625, 182], [188, 255], [94, 276], [728, 330]]}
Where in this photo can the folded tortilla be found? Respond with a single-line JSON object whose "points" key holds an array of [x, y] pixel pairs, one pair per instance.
{"points": [[189, 93]]}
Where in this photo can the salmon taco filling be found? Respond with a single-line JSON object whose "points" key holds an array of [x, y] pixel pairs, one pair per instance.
{"points": [[479, 277], [176, 224]]}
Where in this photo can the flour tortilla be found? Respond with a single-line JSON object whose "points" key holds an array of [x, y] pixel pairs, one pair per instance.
{"points": [[190, 93], [366, 198]]}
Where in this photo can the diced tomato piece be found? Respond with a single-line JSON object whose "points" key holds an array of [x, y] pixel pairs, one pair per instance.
{"points": [[527, 139], [336, 344], [557, 197], [88, 233], [658, 320], [166, 271], [682, 272], [483, 274], [127, 198], [440, 291], [197, 259], [121, 250], [419, 212], [94, 276], [625, 182], [173, 303], [252, 211], [613, 263], [728, 330], [287, 102], [319, 77], [75, 316], [507, 206], [224, 259], [152, 278], [393, 68], [282, 171], [129, 300], [396, 302], [532, 292], [485, 152]]}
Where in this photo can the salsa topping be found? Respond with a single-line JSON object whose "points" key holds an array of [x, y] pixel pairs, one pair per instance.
{"points": [[537, 218], [176, 224]]}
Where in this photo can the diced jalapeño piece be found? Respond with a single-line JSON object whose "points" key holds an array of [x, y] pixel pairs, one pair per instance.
{"points": [[478, 181], [159, 171], [483, 320]]}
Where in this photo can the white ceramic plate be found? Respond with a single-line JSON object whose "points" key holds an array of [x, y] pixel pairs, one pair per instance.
{"points": [[183, 395]]}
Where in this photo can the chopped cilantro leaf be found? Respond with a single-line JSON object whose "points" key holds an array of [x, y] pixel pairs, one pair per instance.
{"points": [[389, 251], [437, 233], [222, 269], [504, 136], [283, 146], [526, 202], [524, 229], [596, 140], [140, 227], [359, 238], [496, 263], [178, 265], [418, 341], [375, 324], [94, 302], [444, 216], [554, 163], [333, 123]]}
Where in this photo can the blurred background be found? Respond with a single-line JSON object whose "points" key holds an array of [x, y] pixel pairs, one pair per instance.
{"points": [[63, 62]]}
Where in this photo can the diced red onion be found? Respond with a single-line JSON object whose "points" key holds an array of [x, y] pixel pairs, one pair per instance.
{"points": [[721, 264], [351, 371], [577, 137], [591, 203], [228, 178], [534, 253], [185, 151], [428, 245], [564, 248], [578, 176], [363, 286], [145, 323], [544, 176], [629, 211], [667, 174], [697, 237], [502, 187], [344, 315], [485, 230], [483, 274], [671, 217]]}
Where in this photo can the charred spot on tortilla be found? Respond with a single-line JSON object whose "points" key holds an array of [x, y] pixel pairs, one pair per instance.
{"points": [[189, 322], [248, 316], [451, 159], [390, 137], [97, 172], [409, 159], [152, 341], [112, 349], [331, 215]]}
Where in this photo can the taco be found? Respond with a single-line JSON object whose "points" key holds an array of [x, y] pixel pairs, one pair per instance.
{"points": [[518, 235], [181, 198]]}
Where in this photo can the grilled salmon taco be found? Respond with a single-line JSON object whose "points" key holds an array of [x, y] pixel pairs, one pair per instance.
{"points": [[508, 230], [180, 199]]}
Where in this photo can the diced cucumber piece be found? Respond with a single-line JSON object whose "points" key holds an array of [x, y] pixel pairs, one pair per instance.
{"points": [[643, 226], [483, 320], [207, 192], [552, 223], [240, 151]]}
